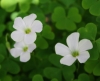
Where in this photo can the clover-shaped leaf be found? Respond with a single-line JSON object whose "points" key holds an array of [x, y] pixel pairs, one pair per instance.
{"points": [[86, 4], [89, 31], [73, 14], [47, 32], [62, 21], [93, 6], [58, 14], [66, 24], [95, 9]]}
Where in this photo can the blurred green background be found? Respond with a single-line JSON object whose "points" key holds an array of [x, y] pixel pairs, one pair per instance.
{"points": [[60, 18]]}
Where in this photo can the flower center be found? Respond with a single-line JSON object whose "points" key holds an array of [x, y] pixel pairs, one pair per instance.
{"points": [[27, 31], [75, 54], [25, 49]]}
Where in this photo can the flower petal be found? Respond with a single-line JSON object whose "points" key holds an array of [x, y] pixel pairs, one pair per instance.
{"points": [[29, 19], [85, 44], [30, 38], [19, 44], [17, 36], [37, 26], [19, 24], [25, 57], [72, 41], [15, 52], [67, 60], [31, 47], [83, 56], [61, 49]]}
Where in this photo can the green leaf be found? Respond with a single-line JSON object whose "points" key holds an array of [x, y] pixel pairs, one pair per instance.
{"points": [[90, 65], [3, 50], [86, 4], [98, 19], [7, 78], [73, 14], [58, 14], [47, 32], [98, 44], [66, 24], [41, 43], [96, 70], [88, 32], [11, 66], [83, 77], [24, 7], [54, 79], [55, 60], [3, 15], [36, 2], [8, 5], [1, 58], [95, 9], [37, 77], [3, 72], [67, 3], [10, 26], [28, 66], [51, 72], [41, 17], [2, 28], [94, 53], [14, 15], [68, 72]]}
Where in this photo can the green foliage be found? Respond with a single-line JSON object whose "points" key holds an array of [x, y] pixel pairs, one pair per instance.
{"points": [[92, 5], [47, 32], [7, 78], [41, 43], [83, 77], [89, 31], [37, 78], [52, 72], [60, 18]]}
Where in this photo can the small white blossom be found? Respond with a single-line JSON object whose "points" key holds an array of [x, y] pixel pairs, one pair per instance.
{"points": [[26, 29], [23, 50], [76, 49]]}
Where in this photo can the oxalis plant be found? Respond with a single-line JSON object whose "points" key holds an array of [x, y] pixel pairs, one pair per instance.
{"points": [[49, 40]]}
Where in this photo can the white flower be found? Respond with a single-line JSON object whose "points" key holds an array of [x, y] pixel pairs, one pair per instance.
{"points": [[75, 49], [26, 28], [23, 50]]}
